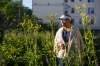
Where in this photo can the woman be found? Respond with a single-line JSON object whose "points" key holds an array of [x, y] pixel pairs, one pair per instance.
{"points": [[62, 41]]}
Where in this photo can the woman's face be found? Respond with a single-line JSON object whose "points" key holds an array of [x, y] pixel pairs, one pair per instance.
{"points": [[67, 23]]}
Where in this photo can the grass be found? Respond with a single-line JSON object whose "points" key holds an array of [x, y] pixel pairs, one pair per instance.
{"points": [[97, 45], [31, 49], [27, 46]]}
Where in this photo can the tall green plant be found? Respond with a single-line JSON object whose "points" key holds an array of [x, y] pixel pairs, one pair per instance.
{"points": [[90, 52], [20, 45]]}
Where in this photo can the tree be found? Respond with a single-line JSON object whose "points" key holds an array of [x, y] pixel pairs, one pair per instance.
{"points": [[11, 14]]}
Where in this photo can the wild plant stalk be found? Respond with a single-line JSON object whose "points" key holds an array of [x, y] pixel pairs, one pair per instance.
{"points": [[52, 22], [90, 52]]}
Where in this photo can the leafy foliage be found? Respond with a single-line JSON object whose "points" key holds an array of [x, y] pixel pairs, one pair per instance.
{"points": [[90, 53]]}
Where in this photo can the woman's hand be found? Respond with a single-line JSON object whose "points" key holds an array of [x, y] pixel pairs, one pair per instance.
{"points": [[62, 46]]}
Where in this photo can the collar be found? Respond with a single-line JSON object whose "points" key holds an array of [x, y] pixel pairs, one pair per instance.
{"points": [[67, 29]]}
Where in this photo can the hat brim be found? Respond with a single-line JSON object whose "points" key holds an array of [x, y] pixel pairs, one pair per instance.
{"points": [[64, 18]]}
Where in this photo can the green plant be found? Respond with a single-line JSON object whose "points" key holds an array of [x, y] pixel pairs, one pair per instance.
{"points": [[90, 52]]}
